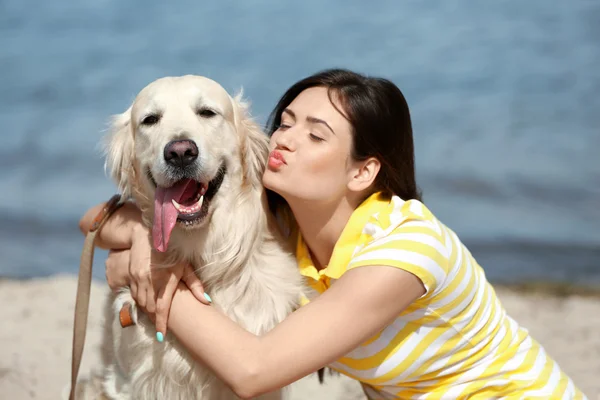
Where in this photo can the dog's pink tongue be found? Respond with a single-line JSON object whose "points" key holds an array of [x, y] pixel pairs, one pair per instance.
{"points": [[165, 213]]}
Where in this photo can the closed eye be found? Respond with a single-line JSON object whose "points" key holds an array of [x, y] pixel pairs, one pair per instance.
{"points": [[316, 138], [151, 119], [206, 113]]}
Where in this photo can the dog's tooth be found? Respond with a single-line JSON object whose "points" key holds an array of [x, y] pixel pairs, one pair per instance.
{"points": [[188, 209], [196, 207], [178, 206]]}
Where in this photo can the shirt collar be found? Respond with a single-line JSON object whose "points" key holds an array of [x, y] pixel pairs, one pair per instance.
{"points": [[351, 237]]}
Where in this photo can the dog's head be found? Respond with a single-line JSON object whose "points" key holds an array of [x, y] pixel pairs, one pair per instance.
{"points": [[179, 147]]}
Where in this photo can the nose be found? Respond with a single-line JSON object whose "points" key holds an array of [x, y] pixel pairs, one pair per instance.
{"points": [[181, 153], [283, 139]]}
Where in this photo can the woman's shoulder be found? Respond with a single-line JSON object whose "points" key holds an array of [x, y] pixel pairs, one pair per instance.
{"points": [[405, 235], [400, 213], [403, 224]]}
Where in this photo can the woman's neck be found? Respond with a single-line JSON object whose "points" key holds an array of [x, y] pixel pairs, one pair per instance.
{"points": [[321, 226]]}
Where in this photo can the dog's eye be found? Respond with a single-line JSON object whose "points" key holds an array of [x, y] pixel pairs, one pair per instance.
{"points": [[206, 113], [150, 119]]}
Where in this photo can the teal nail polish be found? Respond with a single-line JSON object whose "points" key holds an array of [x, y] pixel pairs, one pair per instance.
{"points": [[160, 337], [207, 297]]}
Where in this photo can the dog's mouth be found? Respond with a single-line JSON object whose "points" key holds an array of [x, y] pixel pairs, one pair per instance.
{"points": [[186, 202]]}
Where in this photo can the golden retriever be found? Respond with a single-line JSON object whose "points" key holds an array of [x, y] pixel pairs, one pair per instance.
{"points": [[192, 159]]}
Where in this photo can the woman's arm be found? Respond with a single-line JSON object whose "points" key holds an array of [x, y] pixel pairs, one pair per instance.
{"points": [[361, 303], [119, 228]]}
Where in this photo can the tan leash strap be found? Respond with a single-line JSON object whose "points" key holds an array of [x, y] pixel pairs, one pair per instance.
{"points": [[82, 299]]}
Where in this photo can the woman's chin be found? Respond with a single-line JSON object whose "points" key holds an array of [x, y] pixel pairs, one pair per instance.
{"points": [[277, 184], [271, 181]]}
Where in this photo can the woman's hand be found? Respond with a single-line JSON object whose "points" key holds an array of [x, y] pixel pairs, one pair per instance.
{"points": [[132, 262], [152, 282]]}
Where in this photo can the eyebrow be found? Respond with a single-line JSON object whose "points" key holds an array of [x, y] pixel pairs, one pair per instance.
{"points": [[310, 119]]}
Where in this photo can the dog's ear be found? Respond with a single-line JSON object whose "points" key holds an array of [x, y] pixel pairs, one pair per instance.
{"points": [[254, 143], [118, 150]]}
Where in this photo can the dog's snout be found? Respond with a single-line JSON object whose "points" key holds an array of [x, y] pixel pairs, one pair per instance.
{"points": [[181, 153]]}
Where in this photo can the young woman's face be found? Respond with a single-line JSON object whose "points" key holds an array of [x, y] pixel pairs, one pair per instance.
{"points": [[310, 152]]}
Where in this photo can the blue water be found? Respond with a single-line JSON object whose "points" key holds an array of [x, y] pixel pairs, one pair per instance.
{"points": [[504, 99]]}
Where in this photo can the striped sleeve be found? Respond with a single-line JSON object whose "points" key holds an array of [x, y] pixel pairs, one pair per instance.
{"points": [[414, 246]]}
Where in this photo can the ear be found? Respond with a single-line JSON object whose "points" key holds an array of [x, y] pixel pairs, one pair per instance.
{"points": [[254, 143], [118, 149], [364, 174]]}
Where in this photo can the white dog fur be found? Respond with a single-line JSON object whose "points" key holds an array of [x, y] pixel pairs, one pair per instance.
{"points": [[237, 250]]}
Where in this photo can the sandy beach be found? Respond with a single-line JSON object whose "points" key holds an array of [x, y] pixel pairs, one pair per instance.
{"points": [[36, 318]]}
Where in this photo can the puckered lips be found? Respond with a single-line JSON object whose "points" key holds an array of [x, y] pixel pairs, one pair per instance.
{"points": [[185, 202]]}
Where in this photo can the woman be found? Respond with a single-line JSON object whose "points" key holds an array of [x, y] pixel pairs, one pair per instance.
{"points": [[410, 313]]}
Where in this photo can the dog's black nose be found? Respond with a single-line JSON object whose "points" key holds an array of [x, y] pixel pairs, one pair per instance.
{"points": [[181, 153]]}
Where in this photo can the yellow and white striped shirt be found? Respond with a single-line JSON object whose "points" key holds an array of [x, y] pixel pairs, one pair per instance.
{"points": [[454, 342]]}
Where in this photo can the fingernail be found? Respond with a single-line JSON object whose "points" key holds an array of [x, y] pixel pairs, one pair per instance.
{"points": [[207, 297], [160, 337]]}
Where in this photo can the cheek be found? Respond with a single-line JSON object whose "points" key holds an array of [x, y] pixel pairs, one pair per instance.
{"points": [[227, 141], [213, 141], [327, 165], [146, 150]]}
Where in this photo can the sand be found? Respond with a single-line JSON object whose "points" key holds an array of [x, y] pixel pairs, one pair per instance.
{"points": [[36, 319]]}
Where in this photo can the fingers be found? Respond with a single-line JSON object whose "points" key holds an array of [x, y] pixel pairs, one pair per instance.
{"points": [[193, 282], [117, 269], [159, 273], [139, 272], [134, 292], [141, 297], [163, 305], [150, 299]]}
